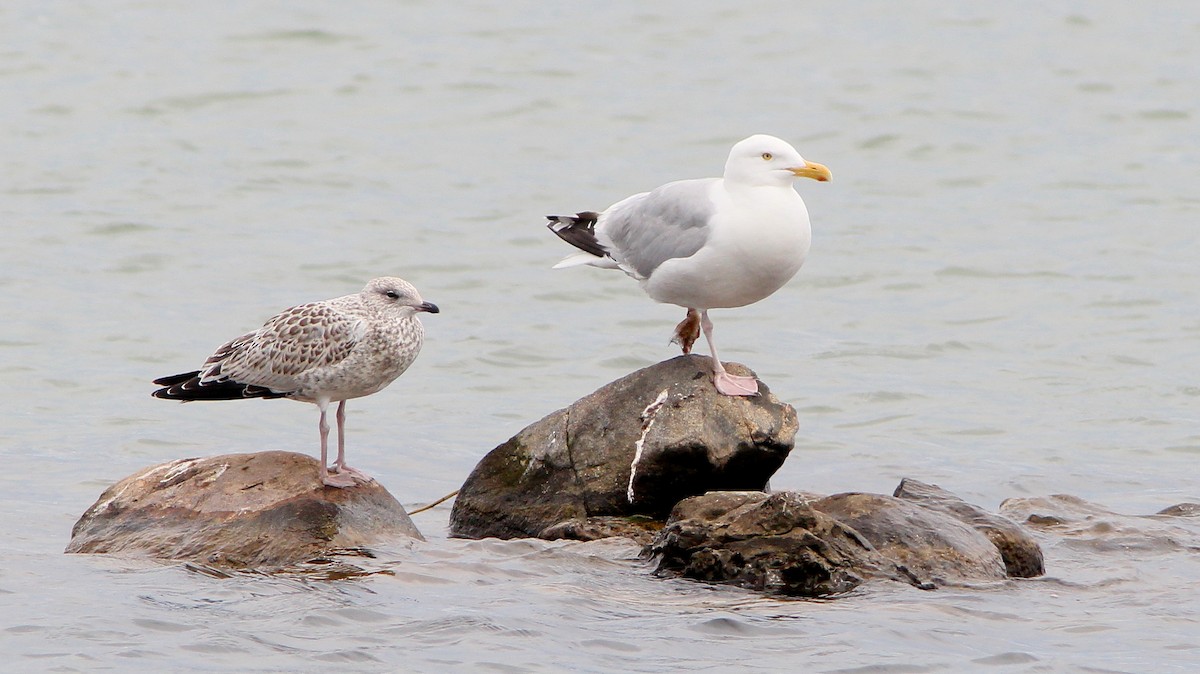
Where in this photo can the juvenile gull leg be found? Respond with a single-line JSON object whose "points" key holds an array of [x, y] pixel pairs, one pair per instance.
{"points": [[727, 384], [327, 478], [688, 331], [340, 466]]}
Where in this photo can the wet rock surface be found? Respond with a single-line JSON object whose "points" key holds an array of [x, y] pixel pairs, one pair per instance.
{"points": [[933, 547], [1021, 553], [806, 545], [1083, 525], [768, 542], [632, 448], [641, 530], [662, 441], [262, 510]]}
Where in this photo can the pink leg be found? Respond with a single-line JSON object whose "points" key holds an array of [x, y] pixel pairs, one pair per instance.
{"points": [[340, 466], [326, 478], [727, 384]]}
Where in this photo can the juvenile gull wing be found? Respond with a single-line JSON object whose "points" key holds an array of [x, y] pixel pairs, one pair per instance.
{"points": [[647, 229], [304, 338]]}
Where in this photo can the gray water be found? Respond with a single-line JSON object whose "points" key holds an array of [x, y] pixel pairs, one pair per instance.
{"points": [[1001, 299]]}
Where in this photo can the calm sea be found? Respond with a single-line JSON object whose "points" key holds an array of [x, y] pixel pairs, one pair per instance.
{"points": [[1002, 299]]}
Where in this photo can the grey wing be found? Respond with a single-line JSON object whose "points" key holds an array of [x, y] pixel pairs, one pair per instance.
{"points": [[292, 343], [648, 229]]}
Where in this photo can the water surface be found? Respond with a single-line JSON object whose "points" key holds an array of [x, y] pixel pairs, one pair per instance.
{"points": [[1001, 299]]}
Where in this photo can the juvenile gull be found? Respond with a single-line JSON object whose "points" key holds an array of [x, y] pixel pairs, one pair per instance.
{"points": [[320, 352], [707, 243]]}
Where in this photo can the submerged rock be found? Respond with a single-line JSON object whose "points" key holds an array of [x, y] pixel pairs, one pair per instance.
{"points": [[640, 530], [1084, 525], [931, 546], [261, 510], [632, 448], [801, 544], [1021, 554], [769, 542]]}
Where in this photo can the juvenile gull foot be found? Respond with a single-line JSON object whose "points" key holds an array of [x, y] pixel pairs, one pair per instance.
{"points": [[339, 481], [354, 473]]}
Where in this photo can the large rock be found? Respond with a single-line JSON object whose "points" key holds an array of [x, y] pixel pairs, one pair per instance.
{"points": [[803, 544], [632, 448], [263, 510], [1021, 554]]}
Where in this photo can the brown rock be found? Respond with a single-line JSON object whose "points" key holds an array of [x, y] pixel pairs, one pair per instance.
{"points": [[1021, 553], [933, 546], [638, 529], [769, 542], [632, 448], [1185, 509], [262, 510], [808, 545]]}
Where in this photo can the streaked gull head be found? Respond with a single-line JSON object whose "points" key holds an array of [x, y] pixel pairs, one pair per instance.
{"points": [[389, 293]]}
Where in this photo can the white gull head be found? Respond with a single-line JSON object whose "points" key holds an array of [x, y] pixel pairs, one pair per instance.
{"points": [[763, 160]]}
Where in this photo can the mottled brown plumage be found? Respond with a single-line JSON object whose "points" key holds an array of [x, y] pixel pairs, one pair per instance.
{"points": [[321, 352]]}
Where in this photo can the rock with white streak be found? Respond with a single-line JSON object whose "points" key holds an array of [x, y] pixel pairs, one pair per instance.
{"points": [[264, 511], [632, 449]]}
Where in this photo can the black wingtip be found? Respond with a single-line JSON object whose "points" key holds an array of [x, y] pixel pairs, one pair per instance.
{"points": [[187, 386], [177, 378]]}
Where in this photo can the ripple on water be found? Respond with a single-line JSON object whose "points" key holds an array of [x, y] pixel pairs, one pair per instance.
{"points": [[315, 145], [121, 229], [1009, 658], [313, 36], [186, 104]]}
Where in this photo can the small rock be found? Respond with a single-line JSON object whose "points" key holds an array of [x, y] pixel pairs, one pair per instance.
{"points": [[261, 510], [1185, 509], [1021, 553], [632, 448], [641, 530]]}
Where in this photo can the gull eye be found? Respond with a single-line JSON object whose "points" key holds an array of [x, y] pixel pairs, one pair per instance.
{"points": [[392, 294], [767, 156]]}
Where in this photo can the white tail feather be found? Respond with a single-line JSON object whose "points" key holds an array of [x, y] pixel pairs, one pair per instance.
{"points": [[582, 259]]}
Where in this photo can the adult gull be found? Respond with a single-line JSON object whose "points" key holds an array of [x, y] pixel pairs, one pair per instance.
{"points": [[321, 352], [706, 243]]}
